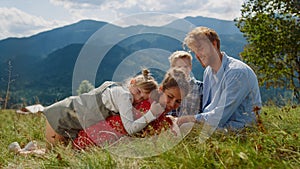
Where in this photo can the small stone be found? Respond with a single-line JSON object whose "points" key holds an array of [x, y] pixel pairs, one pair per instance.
{"points": [[32, 145], [14, 147]]}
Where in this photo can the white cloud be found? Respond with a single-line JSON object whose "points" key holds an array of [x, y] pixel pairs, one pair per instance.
{"points": [[224, 9], [79, 4], [108, 10], [16, 23]]}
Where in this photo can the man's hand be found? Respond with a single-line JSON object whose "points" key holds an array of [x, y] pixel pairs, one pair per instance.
{"points": [[174, 119], [185, 119]]}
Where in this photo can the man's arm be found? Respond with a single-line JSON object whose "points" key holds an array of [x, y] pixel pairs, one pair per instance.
{"points": [[231, 93]]}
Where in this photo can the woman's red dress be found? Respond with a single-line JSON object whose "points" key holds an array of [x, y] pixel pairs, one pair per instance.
{"points": [[111, 129]]}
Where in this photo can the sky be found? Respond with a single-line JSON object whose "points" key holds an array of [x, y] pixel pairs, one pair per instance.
{"points": [[23, 18]]}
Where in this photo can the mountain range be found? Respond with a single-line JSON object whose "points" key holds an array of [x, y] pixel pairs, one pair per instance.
{"points": [[44, 65]]}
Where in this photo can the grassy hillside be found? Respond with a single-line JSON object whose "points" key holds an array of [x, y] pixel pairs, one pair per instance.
{"points": [[276, 145]]}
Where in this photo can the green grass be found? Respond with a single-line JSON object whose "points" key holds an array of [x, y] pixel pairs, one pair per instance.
{"points": [[277, 146]]}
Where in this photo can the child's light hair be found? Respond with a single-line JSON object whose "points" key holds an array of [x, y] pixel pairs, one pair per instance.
{"points": [[145, 81], [180, 55]]}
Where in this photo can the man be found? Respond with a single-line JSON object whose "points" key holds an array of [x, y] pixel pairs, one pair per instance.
{"points": [[230, 89]]}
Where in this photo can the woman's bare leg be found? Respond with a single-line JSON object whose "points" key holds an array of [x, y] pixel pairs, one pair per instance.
{"points": [[51, 136]]}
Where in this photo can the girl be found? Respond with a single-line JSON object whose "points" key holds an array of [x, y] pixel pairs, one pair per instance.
{"points": [[65, 119], [173, 88]]}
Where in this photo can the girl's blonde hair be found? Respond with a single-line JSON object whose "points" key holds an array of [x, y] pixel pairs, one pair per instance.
{"points": [[145, 81]]}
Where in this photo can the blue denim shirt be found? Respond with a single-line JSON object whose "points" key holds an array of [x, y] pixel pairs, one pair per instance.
{"points": [[230, 95]]}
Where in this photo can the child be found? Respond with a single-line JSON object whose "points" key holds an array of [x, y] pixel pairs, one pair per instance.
{"points": [[173, 88], [69, 116], [192, 104]]}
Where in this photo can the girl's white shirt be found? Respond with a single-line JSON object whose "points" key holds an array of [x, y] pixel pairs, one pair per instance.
{"points": [[119, 99]]}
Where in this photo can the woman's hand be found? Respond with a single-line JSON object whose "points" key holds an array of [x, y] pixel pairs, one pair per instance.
{"points": [[157, 109]]}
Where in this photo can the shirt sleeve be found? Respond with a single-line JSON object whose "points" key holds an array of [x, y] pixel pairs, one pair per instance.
{"points": [[131, 125], [230, 94]]}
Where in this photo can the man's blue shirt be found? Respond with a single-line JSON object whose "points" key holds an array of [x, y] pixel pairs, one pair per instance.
{"points": [[230, 95]]}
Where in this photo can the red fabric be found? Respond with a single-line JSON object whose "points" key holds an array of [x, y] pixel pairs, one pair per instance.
{"points": [[110, 130], [104, 132], [155, 127], [141, 108]]}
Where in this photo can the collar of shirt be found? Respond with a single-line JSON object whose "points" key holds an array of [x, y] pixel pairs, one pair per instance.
{"points": [[192, 80], [221, 71]]}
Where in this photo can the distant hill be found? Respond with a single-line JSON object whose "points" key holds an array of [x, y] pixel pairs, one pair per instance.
{"points": [[45, 62], [46, 42], [220, 26]]}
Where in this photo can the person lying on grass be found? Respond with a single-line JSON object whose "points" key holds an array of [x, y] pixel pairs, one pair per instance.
{"points": [[66, 118]]}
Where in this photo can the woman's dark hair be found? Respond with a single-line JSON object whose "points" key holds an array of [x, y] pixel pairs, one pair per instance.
{"points": [[175, 77]]}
